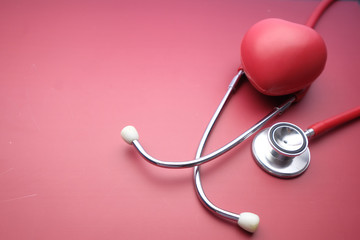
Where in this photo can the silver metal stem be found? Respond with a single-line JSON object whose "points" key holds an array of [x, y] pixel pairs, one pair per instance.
{"points": [[309, 133], [197, 178], [235, 80]]}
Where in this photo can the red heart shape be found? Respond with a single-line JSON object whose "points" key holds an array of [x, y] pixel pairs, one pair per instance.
{"points": [[281, 57]]}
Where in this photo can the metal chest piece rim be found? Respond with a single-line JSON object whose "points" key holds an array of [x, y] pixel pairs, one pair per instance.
{"points": [[281, 150]]}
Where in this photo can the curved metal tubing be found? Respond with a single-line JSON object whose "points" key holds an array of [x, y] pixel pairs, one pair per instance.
{"points": [[220, 151], [197, 179]]}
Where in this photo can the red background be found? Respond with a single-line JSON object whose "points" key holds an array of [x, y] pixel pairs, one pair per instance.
{"points": [[74, 73]]}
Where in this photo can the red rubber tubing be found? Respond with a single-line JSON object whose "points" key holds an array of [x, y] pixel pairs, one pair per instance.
{"points": [[319, 10], [335, 121]]}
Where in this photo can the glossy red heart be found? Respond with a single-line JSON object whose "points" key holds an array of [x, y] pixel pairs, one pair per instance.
{"points": [[281, 57]]}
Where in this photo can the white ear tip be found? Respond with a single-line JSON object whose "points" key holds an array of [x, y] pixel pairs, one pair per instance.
{"points": [[129, 134], [249, 221]]}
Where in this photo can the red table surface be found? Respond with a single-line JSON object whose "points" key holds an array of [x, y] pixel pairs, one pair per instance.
{"points": [[74, 73]]}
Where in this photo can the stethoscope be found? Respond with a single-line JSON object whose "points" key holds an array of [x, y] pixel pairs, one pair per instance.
{"points": [[281, 150]]}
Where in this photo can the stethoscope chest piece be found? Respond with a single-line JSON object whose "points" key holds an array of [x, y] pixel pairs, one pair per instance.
{"points": [[282, 150]]}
